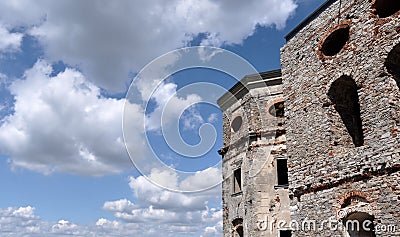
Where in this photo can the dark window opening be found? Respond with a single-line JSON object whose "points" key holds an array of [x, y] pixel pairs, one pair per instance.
{"points": [[392, 63], [238, 227], [335, 41], [285, 233], [277, 110], [237, 180], [386, 8], [344, 96], [239, 231], [282, 171], [359, 224], [253, 137], [237, 123]]}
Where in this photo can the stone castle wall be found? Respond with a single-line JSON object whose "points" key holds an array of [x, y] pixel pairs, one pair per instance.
{"points": [[333, 150], [254, 148]]}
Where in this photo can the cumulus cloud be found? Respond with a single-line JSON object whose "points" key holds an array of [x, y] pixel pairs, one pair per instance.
{"points": [[215, 230], [108, 40], [18, 220], [154, 211], [172, 211], [170, 106], [62, 123], [22, 221], [9, 41]]}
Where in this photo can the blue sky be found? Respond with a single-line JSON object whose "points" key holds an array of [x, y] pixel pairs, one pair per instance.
{"points": [[65, 68]]}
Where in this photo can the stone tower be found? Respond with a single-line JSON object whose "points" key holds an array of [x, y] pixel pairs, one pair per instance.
{"points": [[341, 77], [255, 182]]}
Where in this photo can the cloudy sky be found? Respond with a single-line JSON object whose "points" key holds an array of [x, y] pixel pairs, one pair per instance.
{"points": [[72, 126]]}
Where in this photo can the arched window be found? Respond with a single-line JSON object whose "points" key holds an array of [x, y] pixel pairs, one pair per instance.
{"points": [[392, 63], [343, 94], [359, 224]]}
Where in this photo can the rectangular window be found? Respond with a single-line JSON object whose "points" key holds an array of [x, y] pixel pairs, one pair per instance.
{"points": [[285, 233], [282, 172], [237, 180]]}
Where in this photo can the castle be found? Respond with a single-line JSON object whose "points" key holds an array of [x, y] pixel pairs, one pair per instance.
{"points": [[313, 149]]}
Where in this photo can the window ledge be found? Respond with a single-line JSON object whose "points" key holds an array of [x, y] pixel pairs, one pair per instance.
{"points": [[237, 194], [286, 186]]}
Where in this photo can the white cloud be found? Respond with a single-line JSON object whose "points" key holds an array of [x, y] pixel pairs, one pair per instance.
{"points": [[192, 118], [22, 221], [62, 123], [155, 211], [18, 220], [212, 118], [172, 211], [215, 230], [170, 107], [208, 180], [24, 212], [9, 41], [109, 39]]}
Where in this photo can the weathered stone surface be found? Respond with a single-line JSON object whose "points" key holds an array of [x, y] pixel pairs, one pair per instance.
{"points": [[340, 133], [325, 163], [254, 148]]}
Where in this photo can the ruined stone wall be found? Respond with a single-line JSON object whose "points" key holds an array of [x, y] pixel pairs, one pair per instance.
{"points": [[337, 145], [254, 148]]}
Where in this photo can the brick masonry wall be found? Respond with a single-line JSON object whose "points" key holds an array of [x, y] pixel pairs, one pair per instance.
{"points": [[323, 161]]}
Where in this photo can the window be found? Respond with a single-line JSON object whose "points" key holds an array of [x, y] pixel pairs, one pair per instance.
{"points": [[277, 110], [285, 233], [386, 8], [359, 224], [282, 172], [239, 231], [237, 180], [238, 227], [237, 123], [392, 63], [335, 41], [344, 96]]}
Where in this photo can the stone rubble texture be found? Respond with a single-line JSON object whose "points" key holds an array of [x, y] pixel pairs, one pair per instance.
{"points": [[328, 174]]}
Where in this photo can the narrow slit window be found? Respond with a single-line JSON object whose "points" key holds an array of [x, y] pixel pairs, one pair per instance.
{"points": [[344, 96], [285, 233], [282, 172], [237, 180]]}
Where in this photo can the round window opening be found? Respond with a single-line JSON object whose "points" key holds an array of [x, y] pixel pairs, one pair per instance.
{"points": [[335, 41], [277, 110], [237, 123], [385, 8]]}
